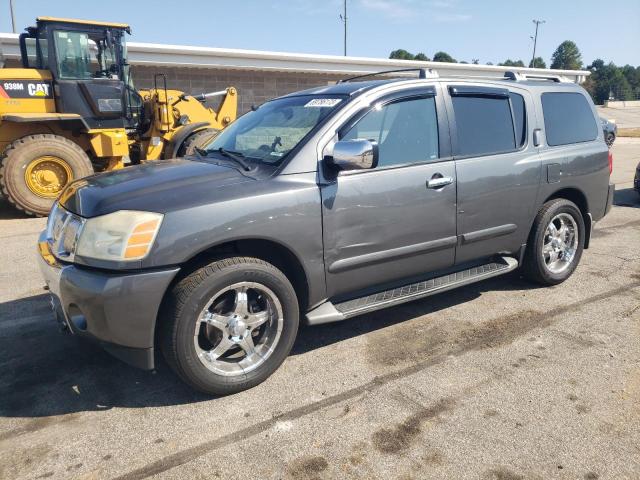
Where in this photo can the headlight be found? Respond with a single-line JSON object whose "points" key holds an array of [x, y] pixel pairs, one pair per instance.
{"points": [[121, 236]]}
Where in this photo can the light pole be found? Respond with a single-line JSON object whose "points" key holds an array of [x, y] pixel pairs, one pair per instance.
{"points": [[535, 41], [343, 17], [13, 18]]}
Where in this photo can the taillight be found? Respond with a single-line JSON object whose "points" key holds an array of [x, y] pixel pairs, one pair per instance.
{"points": [[610, 162]]}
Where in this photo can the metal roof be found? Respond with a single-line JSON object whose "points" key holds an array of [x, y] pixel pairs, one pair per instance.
{"points": [[82, 22], [154, 54]]}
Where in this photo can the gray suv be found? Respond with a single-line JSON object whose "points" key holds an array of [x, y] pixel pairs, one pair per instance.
{"points": [[323, 205]]}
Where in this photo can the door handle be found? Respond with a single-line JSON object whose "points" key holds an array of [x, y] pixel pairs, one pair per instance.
{"points": [[439, 182]]}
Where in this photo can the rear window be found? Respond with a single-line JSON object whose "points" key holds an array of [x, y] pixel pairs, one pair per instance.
{"points": [[484, 125], [568, 118]]}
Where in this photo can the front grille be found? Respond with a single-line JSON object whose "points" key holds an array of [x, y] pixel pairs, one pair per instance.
{"points": [[63, 230]]}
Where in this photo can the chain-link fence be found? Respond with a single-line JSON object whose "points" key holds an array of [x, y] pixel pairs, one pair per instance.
{"points": [[626, 93]]}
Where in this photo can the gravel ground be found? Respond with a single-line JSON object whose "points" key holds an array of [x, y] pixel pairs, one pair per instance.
{"points": [[497, 380]]}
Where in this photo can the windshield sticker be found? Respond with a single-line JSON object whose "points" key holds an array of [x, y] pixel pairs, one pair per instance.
{"points": [[276, 154], [323, 102]]}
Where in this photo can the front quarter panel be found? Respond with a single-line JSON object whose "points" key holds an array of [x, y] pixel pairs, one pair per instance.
{"points": [[284, 209]]}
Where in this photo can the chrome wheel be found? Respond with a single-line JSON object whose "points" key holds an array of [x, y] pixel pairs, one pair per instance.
{"points": [[238, 329], [560, 243]]}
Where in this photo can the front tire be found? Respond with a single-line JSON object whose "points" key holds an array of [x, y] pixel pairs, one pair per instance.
{"points": [[555, 243], [199, 139], [229, 325], [36, 168]]}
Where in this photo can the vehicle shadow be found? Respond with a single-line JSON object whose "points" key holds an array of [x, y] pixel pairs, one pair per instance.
{"points": [[45, 373], [9, 212], [626, 197]]}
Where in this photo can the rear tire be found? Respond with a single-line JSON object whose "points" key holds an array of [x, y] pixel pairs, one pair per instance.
{"points": [[552, 256], [199, 316], [50, 161], [198, 139]]}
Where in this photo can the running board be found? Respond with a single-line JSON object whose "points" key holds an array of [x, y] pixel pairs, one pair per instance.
{"points": [[328, 312]]}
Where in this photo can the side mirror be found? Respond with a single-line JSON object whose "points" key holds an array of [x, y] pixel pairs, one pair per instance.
{"points": [[356, 154]]}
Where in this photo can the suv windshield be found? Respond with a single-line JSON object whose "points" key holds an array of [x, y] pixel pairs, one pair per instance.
{"points": [[275, 128]]}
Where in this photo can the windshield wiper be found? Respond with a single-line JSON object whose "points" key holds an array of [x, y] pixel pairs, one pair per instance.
{"points": [[200, 152], [235, 156]]}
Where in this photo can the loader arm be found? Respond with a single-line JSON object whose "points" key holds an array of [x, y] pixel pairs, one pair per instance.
{"points": [[176, 115]]}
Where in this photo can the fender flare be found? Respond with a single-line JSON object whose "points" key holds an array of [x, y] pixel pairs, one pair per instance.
{"points": [[70, 119], [171, 151]]}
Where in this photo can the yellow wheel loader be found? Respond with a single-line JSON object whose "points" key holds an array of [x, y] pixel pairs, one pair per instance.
{"points": [[72, 110]]}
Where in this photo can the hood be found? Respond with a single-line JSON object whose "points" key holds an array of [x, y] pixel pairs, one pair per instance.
{"points": [[157, 186]]}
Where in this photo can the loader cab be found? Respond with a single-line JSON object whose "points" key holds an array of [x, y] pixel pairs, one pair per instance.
{"points": [[88, 63]]}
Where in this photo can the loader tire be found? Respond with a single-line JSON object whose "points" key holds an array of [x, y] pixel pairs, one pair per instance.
{"points": [[35, 169], [198, 139]]}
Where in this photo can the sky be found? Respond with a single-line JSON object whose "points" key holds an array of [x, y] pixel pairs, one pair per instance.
{"points": [[489, 30]]}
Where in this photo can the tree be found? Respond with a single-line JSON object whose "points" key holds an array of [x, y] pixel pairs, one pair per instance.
{"points": [[537, 62], [567, 57], [609, 80], [443, 57], [632, 75], [421, 56], [475, 61], [401, 55], [511, 63]]}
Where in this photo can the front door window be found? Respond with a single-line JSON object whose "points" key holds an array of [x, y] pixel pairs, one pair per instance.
{"points": [[406, 131]]}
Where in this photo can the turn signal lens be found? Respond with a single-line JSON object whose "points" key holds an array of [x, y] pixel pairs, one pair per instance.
{"points": [[141, 239], [610, 162]]}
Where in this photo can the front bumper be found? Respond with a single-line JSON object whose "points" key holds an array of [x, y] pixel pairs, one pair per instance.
{"points": [[117, 309], [636, 181]]}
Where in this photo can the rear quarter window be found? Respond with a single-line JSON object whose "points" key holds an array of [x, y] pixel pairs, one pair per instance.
{"points": [[568, 118]]}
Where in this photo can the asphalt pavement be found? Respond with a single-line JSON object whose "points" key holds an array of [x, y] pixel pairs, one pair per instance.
{"points": [[498, 380]]}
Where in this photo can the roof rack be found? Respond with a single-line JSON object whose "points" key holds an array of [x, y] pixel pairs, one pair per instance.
{"points": [[423, 73], [517, 76], [431, 73]]}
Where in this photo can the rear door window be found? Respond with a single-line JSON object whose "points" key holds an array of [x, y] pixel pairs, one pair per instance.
{"points": [[568, 118], [484, 122]]}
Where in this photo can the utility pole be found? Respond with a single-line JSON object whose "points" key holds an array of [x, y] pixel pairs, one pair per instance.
{"points": [[343, 17], [535, 41], [13, 18]]}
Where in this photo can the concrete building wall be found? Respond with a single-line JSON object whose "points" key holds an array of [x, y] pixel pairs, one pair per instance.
{"points": [[254, 87]]}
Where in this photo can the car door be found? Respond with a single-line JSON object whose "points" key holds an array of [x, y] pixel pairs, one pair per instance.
{"points": [[389, 223], [497, 166]]}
